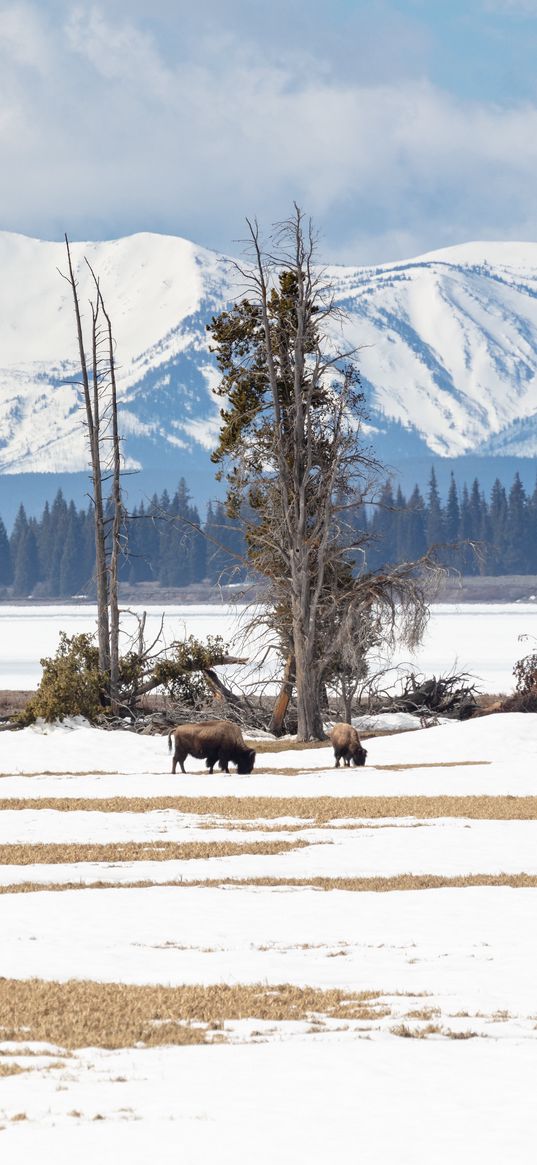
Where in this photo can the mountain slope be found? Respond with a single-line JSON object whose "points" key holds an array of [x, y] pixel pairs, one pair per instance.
{"points": [[447, 350]]}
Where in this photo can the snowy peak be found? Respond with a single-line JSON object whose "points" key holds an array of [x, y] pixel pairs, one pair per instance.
{"points": [[446, 341]]}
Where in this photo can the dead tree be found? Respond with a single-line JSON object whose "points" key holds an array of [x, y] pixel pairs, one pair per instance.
{"points": [[100, 401]]}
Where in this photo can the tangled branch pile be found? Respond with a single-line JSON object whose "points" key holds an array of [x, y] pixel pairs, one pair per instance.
{"points": [[451, 695]]}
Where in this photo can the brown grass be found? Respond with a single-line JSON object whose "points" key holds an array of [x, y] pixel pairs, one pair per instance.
{"points": [[431, 1029], [317, 809], [376, 885], [114, 1015], [11, 1069], [66, 773], [137, 851], [416, 1033]]}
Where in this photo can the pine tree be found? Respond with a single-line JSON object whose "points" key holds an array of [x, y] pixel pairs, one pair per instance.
{"points": [[498, 516], [412, 539], [383, 546], [18, 532], [71, 566], [26, 566], [435, 528], [453, 513], [532, 532], [58, 534], [6, 573], [516, 560]]}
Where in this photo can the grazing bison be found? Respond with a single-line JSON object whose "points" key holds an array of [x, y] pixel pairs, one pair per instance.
{"points": [[346, 744], [216, 740]]}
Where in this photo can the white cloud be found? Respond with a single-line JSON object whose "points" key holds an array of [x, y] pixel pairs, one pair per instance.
{"points": [[117, 51], [122, 131], [23, 39]]}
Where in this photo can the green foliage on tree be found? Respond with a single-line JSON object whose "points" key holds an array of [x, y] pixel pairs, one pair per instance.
{"points": [[71, 684]]}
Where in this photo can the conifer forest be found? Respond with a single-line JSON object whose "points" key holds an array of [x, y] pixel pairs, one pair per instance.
{"points": [[167, 542]]}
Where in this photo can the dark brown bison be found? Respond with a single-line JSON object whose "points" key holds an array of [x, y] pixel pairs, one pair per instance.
{"points": [[346, 745], [216, 740]]}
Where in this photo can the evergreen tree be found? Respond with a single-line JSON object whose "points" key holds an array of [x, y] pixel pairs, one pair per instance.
{"points": [[498, 516], [453, 513], [467, 559], [18, 532], [6, 573], [56, 542], [532, 532], [383, 546], [516, 558], [140, 555], [435, 526], [71, 567], [26, 566], [412, 540], [452, 522]]}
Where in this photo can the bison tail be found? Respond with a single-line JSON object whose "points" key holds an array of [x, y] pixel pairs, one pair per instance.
{"points": [[169, 742]]}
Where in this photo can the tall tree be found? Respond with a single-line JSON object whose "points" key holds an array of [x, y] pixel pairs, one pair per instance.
{"points": [[516, 549], [100, 402], [499, 517], [435, 527], [293, 451]]}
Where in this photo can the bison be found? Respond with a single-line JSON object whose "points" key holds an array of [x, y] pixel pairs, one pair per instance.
{"points": [[216, 740], [346, 744]]}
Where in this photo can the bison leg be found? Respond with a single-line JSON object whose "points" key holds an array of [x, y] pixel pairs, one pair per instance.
{"points": [[338, 758], [178, 756]]}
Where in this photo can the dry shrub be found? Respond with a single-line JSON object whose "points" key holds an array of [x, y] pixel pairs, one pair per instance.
{"points": [[416, 1033], [432, 1029], [115, 1015]]}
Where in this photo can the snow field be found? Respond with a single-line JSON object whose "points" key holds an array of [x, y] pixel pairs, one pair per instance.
{"points": [[445, 963]]}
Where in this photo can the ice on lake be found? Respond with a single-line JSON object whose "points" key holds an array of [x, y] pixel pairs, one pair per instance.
{"points": [[481, 639]]}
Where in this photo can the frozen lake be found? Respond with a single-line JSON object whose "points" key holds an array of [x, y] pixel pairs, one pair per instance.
{"points": [[482, 639]]}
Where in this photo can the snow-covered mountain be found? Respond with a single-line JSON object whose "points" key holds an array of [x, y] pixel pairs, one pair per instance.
{"points": [[447, 344]]}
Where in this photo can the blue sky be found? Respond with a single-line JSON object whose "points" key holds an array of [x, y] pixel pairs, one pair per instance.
{"points": [[400, 125]]}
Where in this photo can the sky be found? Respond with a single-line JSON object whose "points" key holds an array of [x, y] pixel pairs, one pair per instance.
{"points": [[401, 126]]}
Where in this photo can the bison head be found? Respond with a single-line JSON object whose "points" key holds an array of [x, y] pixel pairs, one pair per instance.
{"points": [[359, 755], [245, 762]]}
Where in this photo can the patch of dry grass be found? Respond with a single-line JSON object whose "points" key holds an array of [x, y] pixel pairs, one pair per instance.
{"points": [[79, 1014], [317, 809], [66, 773], [60, 853], [378, 885], [11, 1069], [416, 1033]]}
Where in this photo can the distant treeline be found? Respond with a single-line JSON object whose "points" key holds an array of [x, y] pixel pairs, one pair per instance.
{"points": [[54, 556], [166, 542], [502, 530]]}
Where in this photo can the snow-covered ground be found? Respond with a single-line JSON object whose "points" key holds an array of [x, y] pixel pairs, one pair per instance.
{"points": [[448, 963]]}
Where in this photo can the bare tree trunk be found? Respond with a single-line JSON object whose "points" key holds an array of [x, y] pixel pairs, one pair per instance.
{"points": [[116, 521], [282, 701], [92, 419], [308, 686], [101, 571]]}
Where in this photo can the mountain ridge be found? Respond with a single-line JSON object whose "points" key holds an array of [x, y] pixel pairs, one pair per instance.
{"points": [[446, 349]]}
